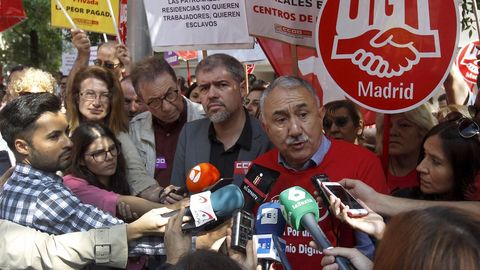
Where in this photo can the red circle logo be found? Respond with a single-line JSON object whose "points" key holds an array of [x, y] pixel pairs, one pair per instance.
{"points": [[467, 62], [387, 56]]}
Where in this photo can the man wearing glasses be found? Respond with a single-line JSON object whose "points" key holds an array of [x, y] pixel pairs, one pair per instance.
{"points": [[156, 131], [110, 55]]}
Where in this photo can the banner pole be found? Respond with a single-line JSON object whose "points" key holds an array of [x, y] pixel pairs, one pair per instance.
{"points": [[66, 15], [293, 51], [475, 13], [247, 86], [386, 143], [189, 75], [115, 26]]}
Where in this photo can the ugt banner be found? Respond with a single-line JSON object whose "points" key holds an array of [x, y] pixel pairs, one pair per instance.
{"points": [[89, 15], [387, 56]]}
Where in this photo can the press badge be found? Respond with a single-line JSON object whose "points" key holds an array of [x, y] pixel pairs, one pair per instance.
{"points": [[161, 162]]}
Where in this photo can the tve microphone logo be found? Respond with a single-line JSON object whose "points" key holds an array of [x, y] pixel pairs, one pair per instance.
{"points": [[269, 216], [380, 52]]}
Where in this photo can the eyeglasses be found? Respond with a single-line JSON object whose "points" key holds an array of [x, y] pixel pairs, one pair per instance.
{"points": [[254, 102], [101, 155], [467, 128], [106, 64], [339, 121], [91, 96], [157, 102]]}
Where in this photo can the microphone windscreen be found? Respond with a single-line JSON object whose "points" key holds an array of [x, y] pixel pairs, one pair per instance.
{"points": [[269, 219], [202, 176], [226, 200], [295, 203], [257, 184]]}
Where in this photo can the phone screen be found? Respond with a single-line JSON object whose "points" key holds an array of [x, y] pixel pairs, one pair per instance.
{"points": [[344, 196]]}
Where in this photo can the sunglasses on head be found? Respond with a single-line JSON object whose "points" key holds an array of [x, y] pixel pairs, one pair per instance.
{"points": [[106, 64], [340, 121], [467, 128]]}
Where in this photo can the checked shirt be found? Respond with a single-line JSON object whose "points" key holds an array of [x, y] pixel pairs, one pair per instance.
{"points": [[39, 200]]}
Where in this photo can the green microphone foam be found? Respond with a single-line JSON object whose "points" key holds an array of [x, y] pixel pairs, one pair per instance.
{"points": [[295, 203]]}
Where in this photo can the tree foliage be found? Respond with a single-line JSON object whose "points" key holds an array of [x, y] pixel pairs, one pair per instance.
{"points": [[33, 42]]}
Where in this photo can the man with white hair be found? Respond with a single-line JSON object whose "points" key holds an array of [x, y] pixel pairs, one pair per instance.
{"points": [[291, 118]]}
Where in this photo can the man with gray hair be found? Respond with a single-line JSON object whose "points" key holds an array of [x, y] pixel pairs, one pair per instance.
{"points": [[291, 118], [229, 134]]}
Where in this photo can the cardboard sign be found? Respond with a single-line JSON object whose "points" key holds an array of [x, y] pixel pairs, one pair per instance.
{"points": [[467, 62], [195, 25], [291, 21], [89, 15], [387, 56]]}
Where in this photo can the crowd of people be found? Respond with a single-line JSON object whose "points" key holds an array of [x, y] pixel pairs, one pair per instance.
{"points": [[100, 156]]}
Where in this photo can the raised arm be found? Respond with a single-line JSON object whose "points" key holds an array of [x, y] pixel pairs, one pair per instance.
{"points": [[389, 205]]}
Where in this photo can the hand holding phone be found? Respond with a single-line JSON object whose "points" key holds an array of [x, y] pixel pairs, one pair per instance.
{"points": [[355, 209]]}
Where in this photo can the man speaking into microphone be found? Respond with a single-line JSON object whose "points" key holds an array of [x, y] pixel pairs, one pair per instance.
{"points": [[291, 118]]}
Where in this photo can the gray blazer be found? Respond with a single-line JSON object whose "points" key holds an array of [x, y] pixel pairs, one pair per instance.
{"points": [[193, 147]]}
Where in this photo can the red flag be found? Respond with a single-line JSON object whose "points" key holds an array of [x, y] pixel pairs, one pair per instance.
{"points": [[11, 13]]}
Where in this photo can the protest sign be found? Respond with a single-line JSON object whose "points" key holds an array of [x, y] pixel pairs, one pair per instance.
{"points": [[291, 21], [89, 15], [388, 57], [197, 25], [467, 62]]}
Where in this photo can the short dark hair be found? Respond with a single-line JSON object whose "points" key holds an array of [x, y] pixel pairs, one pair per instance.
{"points": [[231, 64], [259, 85], [147, 69], [205, 259], [17, 118]]}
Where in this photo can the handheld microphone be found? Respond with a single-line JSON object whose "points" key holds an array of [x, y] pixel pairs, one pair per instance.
{"points": [[202, 176], [223, 203], [269, 227], [301, 212], [257, 184]]}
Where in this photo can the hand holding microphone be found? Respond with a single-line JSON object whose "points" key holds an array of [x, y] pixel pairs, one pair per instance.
{"points": [[200, 177], [301, 212], [206, 207]]}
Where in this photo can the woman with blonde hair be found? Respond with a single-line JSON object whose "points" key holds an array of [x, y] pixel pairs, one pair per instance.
{"points": [[407, 130], [30, 80]]}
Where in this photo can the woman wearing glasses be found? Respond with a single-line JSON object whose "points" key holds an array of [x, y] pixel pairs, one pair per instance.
{"points": [[95, 96], [97, 173]]}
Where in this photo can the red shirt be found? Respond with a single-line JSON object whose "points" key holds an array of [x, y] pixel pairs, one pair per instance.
{"points": [[343, 160], [399, 182]]}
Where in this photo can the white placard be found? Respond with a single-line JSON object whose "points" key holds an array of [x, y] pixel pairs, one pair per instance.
{"points": [[290, 21], [197, 24]]}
